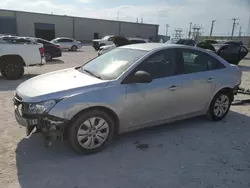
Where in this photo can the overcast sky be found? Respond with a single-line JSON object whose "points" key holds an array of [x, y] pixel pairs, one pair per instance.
{"points": [[176, 13]]}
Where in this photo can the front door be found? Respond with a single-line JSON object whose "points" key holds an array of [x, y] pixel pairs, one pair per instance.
{"points": [[155, 101]]}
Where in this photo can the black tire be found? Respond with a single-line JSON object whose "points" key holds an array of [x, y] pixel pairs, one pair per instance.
{"points": [[211, 111], [12, 69], [48, 56], [74, 48], [79, 120]]}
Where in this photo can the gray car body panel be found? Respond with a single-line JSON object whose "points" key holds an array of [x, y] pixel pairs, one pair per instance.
{"points": [[136, 105]]}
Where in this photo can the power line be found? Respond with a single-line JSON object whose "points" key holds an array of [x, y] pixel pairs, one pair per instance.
{"points": [[196, 32], [178, 33]]}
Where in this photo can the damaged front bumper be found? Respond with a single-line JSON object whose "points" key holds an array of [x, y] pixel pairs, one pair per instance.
{"points": [[51, 127]]}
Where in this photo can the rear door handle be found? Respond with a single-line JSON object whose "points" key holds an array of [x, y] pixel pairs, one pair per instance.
{"points": [[173, 88], [210, 80]]}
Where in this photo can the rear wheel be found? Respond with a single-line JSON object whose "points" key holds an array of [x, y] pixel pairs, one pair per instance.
{"points": [[12, 68], [48, 56], [220, 106], [91, 131]]}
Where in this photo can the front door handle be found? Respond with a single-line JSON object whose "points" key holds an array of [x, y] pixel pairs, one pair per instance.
{"points": [[173, 88]]}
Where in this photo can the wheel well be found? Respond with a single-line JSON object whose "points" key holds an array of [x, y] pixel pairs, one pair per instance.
{"points": [[11, 57], [110, 112], [227, 90]]}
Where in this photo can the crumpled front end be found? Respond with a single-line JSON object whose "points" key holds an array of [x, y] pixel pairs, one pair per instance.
{"points": [[51, 127]]}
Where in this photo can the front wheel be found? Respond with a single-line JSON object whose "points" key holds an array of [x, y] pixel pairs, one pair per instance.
{"points": [[91, 131], [74, 48], [220, 106]]}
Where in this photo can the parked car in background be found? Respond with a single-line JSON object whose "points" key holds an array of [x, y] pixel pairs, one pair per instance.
{"points": [[232, 52], [17, 40], [128, 88], [67, 43], [106, 40], [210, 41], [188, 42], [120, 41], [51, 50], [18, 52]]}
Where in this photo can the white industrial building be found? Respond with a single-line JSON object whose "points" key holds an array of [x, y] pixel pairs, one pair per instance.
{"points": [[49, 26]]}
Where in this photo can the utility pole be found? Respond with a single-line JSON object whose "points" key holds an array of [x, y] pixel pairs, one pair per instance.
{"points": [[141, 20], [240, 31], [137, 20], [118, 16], [167, 26], [234, 25], [212, 27], [190, 27]]}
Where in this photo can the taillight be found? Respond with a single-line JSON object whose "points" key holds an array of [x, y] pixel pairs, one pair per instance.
{"points": [[41, 50]]}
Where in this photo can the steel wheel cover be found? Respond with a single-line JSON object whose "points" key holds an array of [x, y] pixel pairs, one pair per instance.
{"points": [[221, 105], [93, 133]]}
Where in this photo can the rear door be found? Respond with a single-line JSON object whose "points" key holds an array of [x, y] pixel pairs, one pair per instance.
{"points": [[64, 43], [199, 73], [230, 53], [243, 52]]}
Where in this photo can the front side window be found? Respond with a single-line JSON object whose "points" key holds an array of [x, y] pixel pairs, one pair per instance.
{"points": [[195, 61], [112, 64], [159, 65]]}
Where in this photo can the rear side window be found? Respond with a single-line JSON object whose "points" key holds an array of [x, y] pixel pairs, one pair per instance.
{"points": [[192, 61], [65, 40]]}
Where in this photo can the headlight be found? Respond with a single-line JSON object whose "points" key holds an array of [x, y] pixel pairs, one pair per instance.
{"points": [[40, 108]]}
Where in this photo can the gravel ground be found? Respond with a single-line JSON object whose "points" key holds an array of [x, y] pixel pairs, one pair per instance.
{"points": [[190, 153]]}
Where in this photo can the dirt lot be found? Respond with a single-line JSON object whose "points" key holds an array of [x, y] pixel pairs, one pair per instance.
{"points": [[191, 153]]}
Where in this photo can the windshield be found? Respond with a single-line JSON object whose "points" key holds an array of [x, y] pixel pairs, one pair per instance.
{"points": [[54, 41], [112, 64]]}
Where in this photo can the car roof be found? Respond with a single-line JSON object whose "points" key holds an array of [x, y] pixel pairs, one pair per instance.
{"points": [[63, 38], [154, 46]]}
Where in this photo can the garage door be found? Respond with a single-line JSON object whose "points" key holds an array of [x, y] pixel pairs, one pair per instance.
{"points": [[8, 26], [45, 31]]}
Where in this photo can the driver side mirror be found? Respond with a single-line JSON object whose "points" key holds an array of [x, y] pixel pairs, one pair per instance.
{"points": [[139, 77]]}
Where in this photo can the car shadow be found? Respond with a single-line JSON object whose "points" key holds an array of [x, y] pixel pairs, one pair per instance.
{"points": [[246, 58], [9, 85], [54, 61], [169, 152]]}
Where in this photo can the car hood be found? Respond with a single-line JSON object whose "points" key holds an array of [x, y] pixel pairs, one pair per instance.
{"points": [[97, 40], [58, 84]]}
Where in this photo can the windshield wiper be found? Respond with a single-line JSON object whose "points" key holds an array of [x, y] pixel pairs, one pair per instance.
{"points": [[92, 74]]}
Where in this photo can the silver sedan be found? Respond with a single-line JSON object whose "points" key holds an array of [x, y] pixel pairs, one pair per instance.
{"points": [[128, 88]]}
